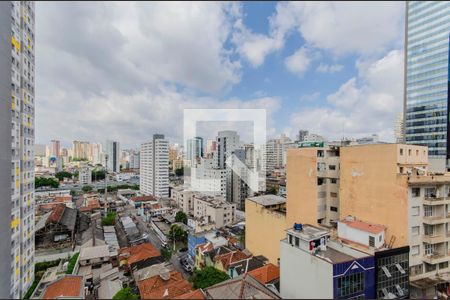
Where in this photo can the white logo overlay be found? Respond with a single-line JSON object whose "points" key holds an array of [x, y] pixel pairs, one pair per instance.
{"points": [[247, 162]]}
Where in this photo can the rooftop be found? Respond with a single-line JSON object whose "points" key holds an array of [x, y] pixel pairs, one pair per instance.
{"points": [[94, 252], [139, 252], [266, 274], [268, 200], [143, 198], [168, 285], [364, 226], [68, 286], [309, 232], [197, 294]]}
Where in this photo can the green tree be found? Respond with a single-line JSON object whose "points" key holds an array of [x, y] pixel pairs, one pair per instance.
{"points": [[73, 193], [207, 277], [179, 172], [42, 181], [272, 190], [166, 253], [72, 262], [177, 233], [124, 294], [63, 174], [87, 188], [181, 217], [109, 220], [98, 175]]}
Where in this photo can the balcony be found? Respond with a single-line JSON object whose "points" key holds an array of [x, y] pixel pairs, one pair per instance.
{"points": [[435, 219], [434, 239], [433, 200], [435, 258]]}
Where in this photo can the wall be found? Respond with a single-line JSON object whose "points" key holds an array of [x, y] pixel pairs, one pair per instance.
{"points": [[373, 191], [359, 236], [263, 231], [301, 186], [303, 276]]}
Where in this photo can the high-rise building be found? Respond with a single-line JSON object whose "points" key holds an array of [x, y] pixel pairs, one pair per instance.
{"points": [[96, 153], [227, 142], [134, 160], [194, 149], [276, 153], [81, 150], [154, 169], [55, 148], [399, 129], [211, 146], [302, 134], [426, 76], [17, 105], [112, 152]]}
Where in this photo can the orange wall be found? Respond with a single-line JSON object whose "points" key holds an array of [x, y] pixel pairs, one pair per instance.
{"points": [[371, 189], [301, 186]]}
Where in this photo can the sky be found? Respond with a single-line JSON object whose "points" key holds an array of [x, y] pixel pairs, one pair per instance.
{"points": [[124, 71]]}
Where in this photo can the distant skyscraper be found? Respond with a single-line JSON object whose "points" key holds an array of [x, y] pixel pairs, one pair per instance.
{"points": [[112, 150], [55, 148], [17, 107], [96, 153], [211, 146], [399, 132], [81, 150], [194, 149], [426, 76], [302, 134], [154, 167], [227, 142]]}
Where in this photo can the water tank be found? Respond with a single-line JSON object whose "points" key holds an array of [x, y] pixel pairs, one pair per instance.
{"points": [[298, 226]]}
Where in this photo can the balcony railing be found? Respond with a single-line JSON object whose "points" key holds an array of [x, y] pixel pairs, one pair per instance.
{"points": [[434, 239], [435, 258]]}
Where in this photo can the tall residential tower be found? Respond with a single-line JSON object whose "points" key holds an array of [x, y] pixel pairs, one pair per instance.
{"points": [[16, 147], [154, 167]]}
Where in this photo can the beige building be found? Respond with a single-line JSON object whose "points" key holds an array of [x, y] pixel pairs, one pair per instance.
{"points": [[265, 224]]}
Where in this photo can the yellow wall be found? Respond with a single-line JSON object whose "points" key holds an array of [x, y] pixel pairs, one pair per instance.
{"points": [[301, 186], [263, 231], [372, 190]]}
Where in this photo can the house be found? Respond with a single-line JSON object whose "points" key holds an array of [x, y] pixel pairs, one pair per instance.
{"points": [[222, 262], [269, 275], [139, 256], [243, 266], [96, 255], [108, 288], [241, 287], [69, 286], [165, 286], [197, 294]]}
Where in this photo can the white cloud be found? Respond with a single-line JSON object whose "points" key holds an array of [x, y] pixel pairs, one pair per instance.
{"points": [[363, 105], [310, 97], [362, 28], [324, 68], [298, 62]]}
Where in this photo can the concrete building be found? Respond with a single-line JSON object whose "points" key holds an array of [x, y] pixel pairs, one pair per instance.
{"points": [[399, 129], [55, 148], [237, 189], [85, 175], [215, 210], [227, 142], [211, 147], [194, 149], [96, 153], [134, 160], [207, 179], [275, 153], [302, 134], [313, 184], [154, 167], [112, 153], [265, 216], [426, 76], [17, 115], [81, 150]]}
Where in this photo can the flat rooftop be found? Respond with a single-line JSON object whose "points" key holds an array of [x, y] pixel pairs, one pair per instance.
{"points": [[309, 232], [334, 256], [268, 200]]}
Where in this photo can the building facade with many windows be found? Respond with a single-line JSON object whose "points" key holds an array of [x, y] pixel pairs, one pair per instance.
{"points": [[17, 147], [154, 167]]}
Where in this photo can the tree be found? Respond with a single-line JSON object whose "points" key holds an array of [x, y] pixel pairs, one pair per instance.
{"points": [[179, 172], [109, 220], [98, 175], [207, 277], [73, 193], [72, 262], [124, 294], [87, 188], [63, 174], [166, 253], [272, 190], [181, 217], [42, 181], [177, 233]]}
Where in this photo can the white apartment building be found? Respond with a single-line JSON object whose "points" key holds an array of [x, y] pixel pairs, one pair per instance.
{"points": [[154, 167], [213, 209], [184, 199], [207, 179], [81, 150], [275, 154], [85, 175], [134, 160], [227, 142], [96, 153], [17, 113]]}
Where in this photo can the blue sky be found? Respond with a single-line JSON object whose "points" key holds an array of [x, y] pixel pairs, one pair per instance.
{"points": [[124, 71]]}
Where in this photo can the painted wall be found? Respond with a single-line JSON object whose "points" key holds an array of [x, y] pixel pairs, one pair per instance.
{"points": [[263, 231], [303, 276], [359, 236], [193, 241]]}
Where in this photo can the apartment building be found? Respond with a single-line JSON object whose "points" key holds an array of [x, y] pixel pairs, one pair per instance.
{"points": [[154, 167], [85, 175], [184, 199], [17, 113], [276, 153], [213, 209], [206, 178], [111, 159], [55, 148], [81, 150], [313, 183]]}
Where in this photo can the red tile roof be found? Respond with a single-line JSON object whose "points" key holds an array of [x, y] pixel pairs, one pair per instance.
{"points": [[206, 247], [143, 198], [157, 288], [230, 257], [266, 273], [68, 286], [63, 199], [57, 213], [139, 252], [364, 226], [197, 294]]}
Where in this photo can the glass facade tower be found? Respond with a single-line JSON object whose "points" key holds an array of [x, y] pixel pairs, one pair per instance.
{"points": [[426, 76]]}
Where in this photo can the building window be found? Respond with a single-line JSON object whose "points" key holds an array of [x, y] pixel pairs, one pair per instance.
{"points": [[297, 242], [409, 152], [428, 211], [415, 230], [333, 180], [350, 284], [401, 151], [429, 249], [332, 167], [371, 241], [332, 194], [332, 208], [415, 210], [443, 265], [415, 250], [430, 192], [415, 192], [428, 229]]}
